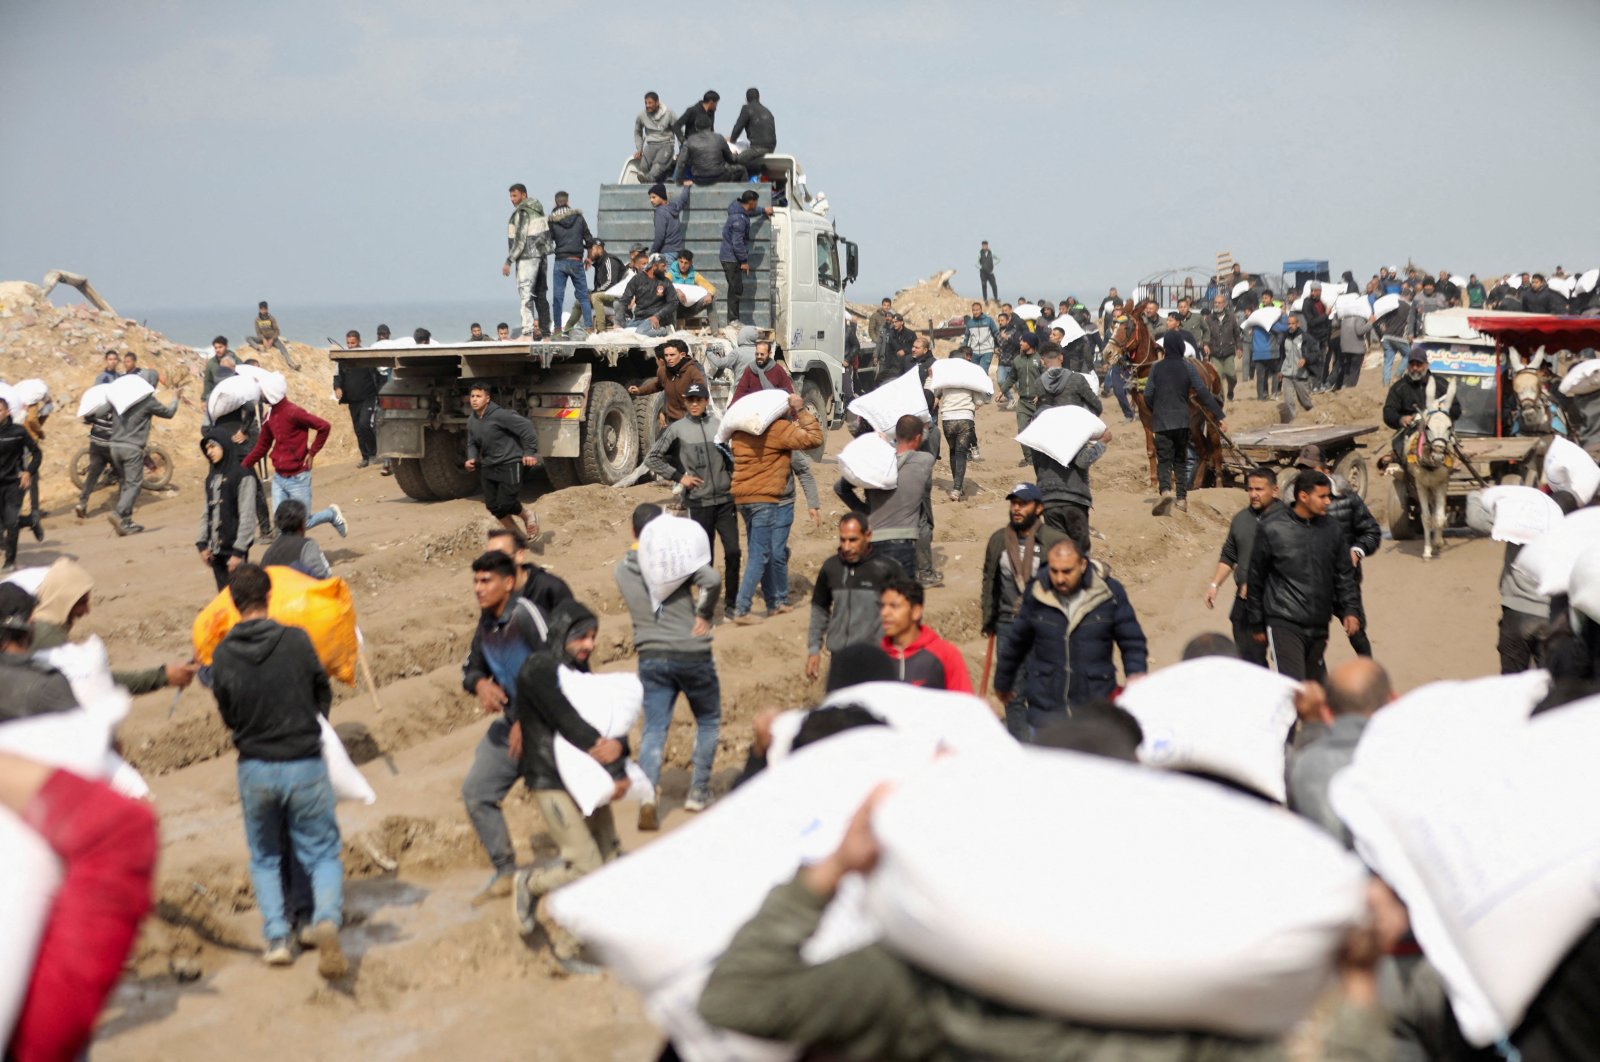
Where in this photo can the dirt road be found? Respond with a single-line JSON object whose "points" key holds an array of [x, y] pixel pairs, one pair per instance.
{"points": [[432, 974]]}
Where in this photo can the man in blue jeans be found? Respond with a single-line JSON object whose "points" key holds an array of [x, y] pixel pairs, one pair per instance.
{"points": [[292, 437], [271, 690], [762, 476], [511, 628], [674, 647], [572, 239]]}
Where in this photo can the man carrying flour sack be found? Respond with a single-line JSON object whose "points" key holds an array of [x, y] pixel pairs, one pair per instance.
{"points": [[544, 713]]}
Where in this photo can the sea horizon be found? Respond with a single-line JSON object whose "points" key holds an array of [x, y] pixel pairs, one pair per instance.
{"points": [[320, 324]]}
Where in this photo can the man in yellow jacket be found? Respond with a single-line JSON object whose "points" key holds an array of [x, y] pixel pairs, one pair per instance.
{"points": [[761, 472]]}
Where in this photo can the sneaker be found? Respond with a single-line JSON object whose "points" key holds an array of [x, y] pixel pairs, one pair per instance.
{"points": [[331, 963], [306, 935], [388, 470], [647, 818], [131, 528], [498, 887], [955, 495], [118, 524], [747, 619], [278, 953], [363, 463], [930, 579], [1162, 506], [523, 903], [1183, 505], [699, 800], [339, 524], [81, 511], [975, 455], [780, 610]]}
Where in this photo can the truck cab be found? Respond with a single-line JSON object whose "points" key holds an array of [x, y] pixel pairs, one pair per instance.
{"points": [[575, 390]]}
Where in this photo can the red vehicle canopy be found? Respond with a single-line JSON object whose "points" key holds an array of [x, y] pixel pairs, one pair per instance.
{"points": [[1529, 331]]}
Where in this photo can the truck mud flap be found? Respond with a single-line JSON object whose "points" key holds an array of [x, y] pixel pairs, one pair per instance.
{"points": [[559, 438], [401, 438]]}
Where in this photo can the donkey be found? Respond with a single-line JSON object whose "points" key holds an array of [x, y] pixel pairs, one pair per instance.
{"points": [[1430, 461], [1534, 416]]}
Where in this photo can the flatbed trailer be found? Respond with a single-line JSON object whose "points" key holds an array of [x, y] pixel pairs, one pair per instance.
{"points": [[1277, 447]]}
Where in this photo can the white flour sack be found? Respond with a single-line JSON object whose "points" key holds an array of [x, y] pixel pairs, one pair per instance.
{"points": [[1216, 715], [1225, 915], [1061, 431], [959, 372], [610, 703], [1582, 379], [896, 399], [95, 401], [343, 775], [1520, 514], [671, 548], [869, 461], [1263, 318], [1568, 467], [30, 872], [235, 392], [274, 387], [754, 413], [669, 909], [1549, 560], [959, 722], [1495, 850], [125, 391]]}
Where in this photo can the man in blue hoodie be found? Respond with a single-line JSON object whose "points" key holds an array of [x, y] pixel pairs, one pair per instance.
{"points": [[735, 251], [667, 239]]}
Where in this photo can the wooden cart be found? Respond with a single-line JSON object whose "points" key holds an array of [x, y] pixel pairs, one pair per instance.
{"points": [[1277, 447]]}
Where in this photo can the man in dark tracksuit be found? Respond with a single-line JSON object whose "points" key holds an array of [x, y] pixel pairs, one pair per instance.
{"points": [[687, 452], [19, 463], [1300, 578], [734, 253], [500, 443], [357, 389], [844, 603], [1166, 391], [1362, 533], [1262, 486]]}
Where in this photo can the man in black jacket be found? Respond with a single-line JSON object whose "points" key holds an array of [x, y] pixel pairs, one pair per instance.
{"points": [[894, 356], [539, 585], [608, 272], [707, 159], [844, 602], [1319, 332], [1411, 395], [1014, 556], [701, 115], [1300, 578], [543, 714], [1167, 391], [500, 443], [1261, 484], [571, 234], [1542, 298], [271, 689], [357, 389], [19, 463], [1362, 533], [756, 120]]}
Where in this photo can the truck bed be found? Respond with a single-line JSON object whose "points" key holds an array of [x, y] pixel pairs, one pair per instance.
{"points": [[626, 218]]}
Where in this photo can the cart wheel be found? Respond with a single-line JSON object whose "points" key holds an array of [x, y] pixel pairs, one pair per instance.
{"points": [[1352, 468], [1286, 478], [1403, 527]]}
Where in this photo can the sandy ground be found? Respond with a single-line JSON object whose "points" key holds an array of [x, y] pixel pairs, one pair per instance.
{"points": [[432, 974]]}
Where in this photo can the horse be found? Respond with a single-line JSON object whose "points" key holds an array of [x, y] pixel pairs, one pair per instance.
{"points": [[1429, 461], [1536, 412], [1131, 342]]}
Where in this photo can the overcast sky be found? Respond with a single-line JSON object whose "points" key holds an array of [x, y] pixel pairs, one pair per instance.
{"points": [[189, 153]]}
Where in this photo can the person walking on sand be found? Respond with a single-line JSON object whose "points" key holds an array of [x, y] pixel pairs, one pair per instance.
{"points": [[762, 475], [673, 643], [1014, 556], [1173, 382], [228, 522], [19, 463], [130, 435], [895, 514], [686, 452], [283, 438], [1261, 485], [271, 690], [500, 444], [844, 602]]}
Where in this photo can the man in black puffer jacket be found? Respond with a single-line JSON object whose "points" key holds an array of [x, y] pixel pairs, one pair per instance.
{"points": [[543, 714], [1362, 533], [1167, 390], [1300, 578]]}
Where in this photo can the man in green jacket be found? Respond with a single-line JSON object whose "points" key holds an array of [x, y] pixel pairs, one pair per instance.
{"points": [[63, 599], [1027, 368], [871, 1003]]}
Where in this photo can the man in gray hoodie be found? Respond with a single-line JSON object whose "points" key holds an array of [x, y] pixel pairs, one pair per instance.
{"points": [[653, 139], [674, 647], [687, 453]]}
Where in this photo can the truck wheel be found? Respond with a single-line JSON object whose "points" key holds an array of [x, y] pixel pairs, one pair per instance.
{"points": [[811, 395], [443, 455], [408, 473], [648, 411], [561, 471], [1352, 468], [1403, 527], [610, 435]]}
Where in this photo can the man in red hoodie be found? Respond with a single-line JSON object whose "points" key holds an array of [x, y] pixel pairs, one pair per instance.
{"points": [[920, 656], [283, 435]]}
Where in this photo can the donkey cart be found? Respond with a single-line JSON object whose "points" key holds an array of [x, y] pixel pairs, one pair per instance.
{"points": [[1277, 447]]}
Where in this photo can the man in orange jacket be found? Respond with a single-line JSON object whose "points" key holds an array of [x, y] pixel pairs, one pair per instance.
{"points": [[761, 471]]}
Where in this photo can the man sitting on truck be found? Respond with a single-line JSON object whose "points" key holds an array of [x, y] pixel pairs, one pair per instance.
{"points": [[682, 271], [649, 304], [675, 372], [707, 159], [756, 120]]}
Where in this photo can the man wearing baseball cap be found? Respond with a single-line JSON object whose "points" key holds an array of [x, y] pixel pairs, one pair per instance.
{"points": [[1410, 395], [687, 453], [1362, 534], [1012, 559]]}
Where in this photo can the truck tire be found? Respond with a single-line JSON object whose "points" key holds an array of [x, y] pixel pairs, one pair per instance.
{"points": [[648, 409], [811, 395], [1403, 527], [443, 455], [561, 471], [408, 473], [610, 435]]}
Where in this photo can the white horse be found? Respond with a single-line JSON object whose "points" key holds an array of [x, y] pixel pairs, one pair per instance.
{"points": [[1430, 458]]}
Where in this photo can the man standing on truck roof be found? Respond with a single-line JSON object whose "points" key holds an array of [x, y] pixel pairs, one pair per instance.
{"points": [[735, 250], [668, 237], [500, 444], [649, 304], [758, 121], [527, 242], [675, 373], [571, 236], [654, 146]]}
